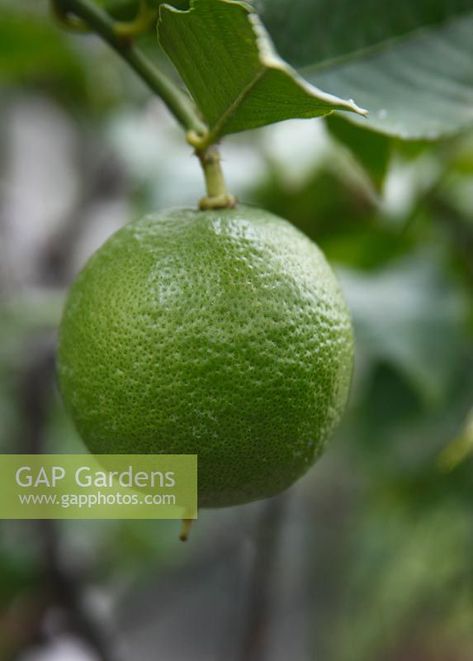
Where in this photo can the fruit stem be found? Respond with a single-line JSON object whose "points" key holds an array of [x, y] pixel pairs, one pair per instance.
{"points": [[185, 529], [217, 196], [84, 13]]}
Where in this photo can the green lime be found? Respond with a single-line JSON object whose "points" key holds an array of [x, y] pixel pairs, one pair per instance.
{"points": [[222, 333]]}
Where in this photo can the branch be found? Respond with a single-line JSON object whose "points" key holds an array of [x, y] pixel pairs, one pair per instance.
{"points": [[61, 585], [81, 14], [175, 100], [261, 579]]}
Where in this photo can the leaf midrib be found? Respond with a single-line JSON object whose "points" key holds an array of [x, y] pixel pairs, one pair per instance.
{"points": [[231, 109]]}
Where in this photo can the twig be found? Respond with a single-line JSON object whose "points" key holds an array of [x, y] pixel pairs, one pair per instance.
{"points": [[261, 580], [67, 591], [177, 102], [80, 14], [62, 584]]}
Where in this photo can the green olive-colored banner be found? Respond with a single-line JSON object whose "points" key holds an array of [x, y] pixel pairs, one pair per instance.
{"points": [[103, 486]]}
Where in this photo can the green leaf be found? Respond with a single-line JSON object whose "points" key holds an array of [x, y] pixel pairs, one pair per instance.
{"points": [[231, 69], [408, 63], [372, 150], [413, 317], [33, 50], [318, 31]]}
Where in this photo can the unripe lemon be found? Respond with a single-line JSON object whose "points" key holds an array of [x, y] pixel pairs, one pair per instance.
{"points": [[221, 333]]}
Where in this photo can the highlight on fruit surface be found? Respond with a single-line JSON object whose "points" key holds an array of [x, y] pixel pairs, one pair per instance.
{"points": [[222, 333]]}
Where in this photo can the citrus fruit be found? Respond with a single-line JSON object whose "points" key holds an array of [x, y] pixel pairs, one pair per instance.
{"points": [[222, 333]]}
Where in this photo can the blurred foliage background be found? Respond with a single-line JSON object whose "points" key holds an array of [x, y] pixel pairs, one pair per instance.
{"points": [[369, 557]]}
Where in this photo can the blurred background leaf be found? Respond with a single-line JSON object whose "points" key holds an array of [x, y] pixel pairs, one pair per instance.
{"points": [[407, 63], [34, 51]]}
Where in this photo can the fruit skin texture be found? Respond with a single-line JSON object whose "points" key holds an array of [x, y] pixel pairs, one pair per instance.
{"points": [[222, 333]]}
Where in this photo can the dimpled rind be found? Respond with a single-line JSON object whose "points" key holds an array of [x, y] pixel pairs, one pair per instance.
{"points": [[222, 333]]}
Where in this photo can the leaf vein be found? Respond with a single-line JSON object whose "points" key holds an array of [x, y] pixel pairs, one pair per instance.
{"points": [[235, 104]]}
